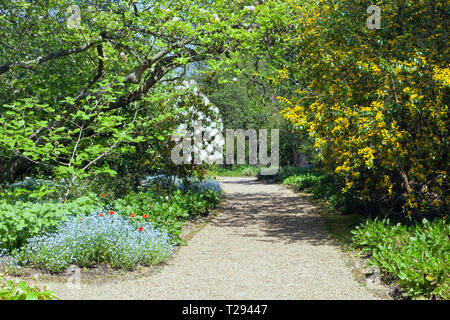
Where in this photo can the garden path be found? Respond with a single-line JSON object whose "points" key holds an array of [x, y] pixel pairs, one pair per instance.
{"points": [[265, 243]]}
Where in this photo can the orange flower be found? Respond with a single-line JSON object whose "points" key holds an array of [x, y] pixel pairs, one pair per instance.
{"points": [[101, 214], [132, 215], [145, 216], [111, 212], [103, 195]]}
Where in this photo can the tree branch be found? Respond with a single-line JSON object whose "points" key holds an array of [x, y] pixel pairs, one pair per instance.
{"points": [[54, 55]]}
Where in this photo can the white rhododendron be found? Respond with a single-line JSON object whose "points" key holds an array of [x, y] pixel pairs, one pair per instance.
{"points": [[203, 125]]}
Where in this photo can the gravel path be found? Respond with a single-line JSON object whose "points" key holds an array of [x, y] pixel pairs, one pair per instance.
{"points": [[266, 243]]}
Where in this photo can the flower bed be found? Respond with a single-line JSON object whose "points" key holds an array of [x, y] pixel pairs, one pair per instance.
{"points": [[137, 229], [100, 238]]}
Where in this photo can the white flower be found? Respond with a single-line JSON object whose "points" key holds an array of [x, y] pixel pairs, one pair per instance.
{"points": [[217, 156], [176, 19], [210, 148], [216, 17], [198, 145], [234, 79], [219, 141], [214, 132], [250, 8]]}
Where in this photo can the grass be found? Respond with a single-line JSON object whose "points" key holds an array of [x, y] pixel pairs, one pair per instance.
{"points": [[340, 225], [234, 171]]}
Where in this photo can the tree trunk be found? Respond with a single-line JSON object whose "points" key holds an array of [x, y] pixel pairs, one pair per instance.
{"points": [[15, 167]]}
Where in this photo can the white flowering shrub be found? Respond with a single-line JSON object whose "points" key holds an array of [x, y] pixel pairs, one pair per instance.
{"points": [[202, 123]]}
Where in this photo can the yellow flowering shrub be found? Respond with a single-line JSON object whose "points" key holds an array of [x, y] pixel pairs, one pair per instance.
{"points": [[374, 102]]}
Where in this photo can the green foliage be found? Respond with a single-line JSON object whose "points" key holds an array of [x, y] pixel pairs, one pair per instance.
{"points": [[77, 103], [21, 220], [416, 256], [19, 290], [195, 203], [322, 185], [247, 100], [233, 171], [170, 211]]}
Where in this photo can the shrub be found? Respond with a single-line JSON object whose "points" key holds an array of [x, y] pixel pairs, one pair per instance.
{"points": [[98, 238], [196, 203], [383, 131], [417, 256]]}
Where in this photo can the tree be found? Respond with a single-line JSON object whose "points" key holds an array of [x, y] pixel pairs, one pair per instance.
{"points": [[88, 89]]}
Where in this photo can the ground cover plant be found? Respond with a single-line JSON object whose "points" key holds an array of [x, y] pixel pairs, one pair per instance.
{"points": [[20, 220], [98, 238], [140, 228], [415, 256]]}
